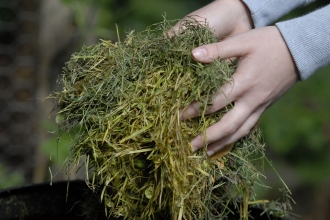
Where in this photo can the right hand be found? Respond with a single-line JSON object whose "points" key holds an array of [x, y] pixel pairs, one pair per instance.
{"points": [[265, 71], [224, 17]]}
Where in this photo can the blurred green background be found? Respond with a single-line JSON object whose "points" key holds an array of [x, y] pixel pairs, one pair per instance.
{"points": [[296, 129]]}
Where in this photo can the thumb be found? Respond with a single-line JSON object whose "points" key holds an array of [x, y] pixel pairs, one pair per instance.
{"points": [[231, 47]]}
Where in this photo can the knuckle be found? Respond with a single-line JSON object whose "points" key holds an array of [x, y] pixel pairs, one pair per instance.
{"points": [[230, 129], [213, 108], [220, 50], [245, 132], [191, 111]]}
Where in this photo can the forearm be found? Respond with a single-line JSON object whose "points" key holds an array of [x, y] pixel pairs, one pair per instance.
{"points": [[308, 39], [266, 12]]}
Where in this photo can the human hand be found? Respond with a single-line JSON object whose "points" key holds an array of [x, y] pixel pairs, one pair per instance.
{"points": [[265, 71], [224, 17]]}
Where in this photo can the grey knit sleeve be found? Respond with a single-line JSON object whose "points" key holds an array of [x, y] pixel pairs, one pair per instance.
{"points": [[308, 39], [265, 12]]}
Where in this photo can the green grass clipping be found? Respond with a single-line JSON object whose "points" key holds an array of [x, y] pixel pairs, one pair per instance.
{"points": [[121, 103]]}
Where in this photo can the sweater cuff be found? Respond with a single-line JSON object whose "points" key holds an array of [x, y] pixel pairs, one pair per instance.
{"points": [[308, 40], [267, 12]]}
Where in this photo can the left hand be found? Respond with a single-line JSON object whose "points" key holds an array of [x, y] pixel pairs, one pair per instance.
{"points": [[224, 17]]}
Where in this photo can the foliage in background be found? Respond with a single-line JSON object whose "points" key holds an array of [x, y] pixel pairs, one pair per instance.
{"points": [[127, 14], [297, 127], [56, 149], [10, 178]]}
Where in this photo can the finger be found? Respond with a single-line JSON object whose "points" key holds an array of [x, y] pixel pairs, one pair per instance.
{"points": [[227, 94], [206, 16], [187, 21], [228, 125], [172, 32], [231, 60], [215, 148], [222, 98], [226, 49]]}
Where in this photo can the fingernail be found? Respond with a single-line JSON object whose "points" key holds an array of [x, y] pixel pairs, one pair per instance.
{"points": [[193, 144], [210, 153], [199, 53], [193, 148]]}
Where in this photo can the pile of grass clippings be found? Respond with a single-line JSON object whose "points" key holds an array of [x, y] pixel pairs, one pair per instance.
{"points": [[121, 102]]}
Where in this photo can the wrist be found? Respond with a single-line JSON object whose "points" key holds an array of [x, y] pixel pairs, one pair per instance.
{"points": [[248, 17], [242, 16]]}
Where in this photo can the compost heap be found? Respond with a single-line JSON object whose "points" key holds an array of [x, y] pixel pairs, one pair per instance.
{"points": [[121, 102]]}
